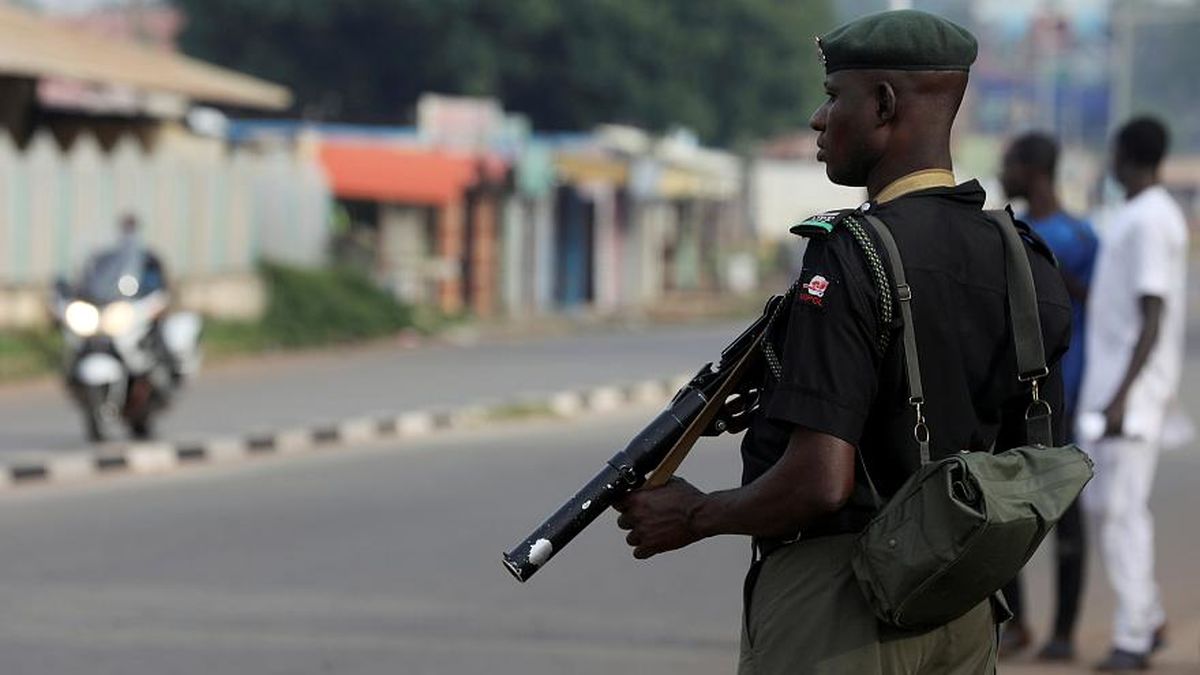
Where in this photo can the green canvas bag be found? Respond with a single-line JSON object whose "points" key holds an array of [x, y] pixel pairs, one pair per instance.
{"points": [[962, 527]]}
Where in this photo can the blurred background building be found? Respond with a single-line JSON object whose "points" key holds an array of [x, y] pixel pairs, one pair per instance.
{"points": [[589, 158]]}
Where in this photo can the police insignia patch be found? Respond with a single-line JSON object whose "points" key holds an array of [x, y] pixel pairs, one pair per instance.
{"points": [[815, 291], [817, 286], [820, 225]]}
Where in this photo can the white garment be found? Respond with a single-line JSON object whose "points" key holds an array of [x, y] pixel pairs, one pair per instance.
{"points": [[1143, 251], [1116, 503]]}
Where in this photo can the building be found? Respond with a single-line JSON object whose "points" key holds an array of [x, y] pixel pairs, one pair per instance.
{"points": [[92, 128], [427, 217]]}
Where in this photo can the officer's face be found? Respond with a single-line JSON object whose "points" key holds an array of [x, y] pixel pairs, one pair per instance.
{"points": [[848, 126]]}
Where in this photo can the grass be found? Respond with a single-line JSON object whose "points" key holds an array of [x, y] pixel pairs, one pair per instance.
{"points": [[510, 412], [28, 353]]}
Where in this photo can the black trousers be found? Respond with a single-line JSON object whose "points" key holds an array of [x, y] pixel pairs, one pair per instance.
{"points": [[1070, 551]]}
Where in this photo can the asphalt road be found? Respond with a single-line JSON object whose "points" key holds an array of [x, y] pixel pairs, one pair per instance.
{"points": [[386, 560], [367, 561], [279, 392]]}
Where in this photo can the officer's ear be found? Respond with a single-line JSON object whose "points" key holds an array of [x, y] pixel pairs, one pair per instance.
{"points": [[885, 102]]}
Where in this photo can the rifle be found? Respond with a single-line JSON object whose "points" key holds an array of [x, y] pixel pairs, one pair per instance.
{"points": [[711, 403]]}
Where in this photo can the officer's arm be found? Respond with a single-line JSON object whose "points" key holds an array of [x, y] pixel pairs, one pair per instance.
{"points": [[814, 478]]}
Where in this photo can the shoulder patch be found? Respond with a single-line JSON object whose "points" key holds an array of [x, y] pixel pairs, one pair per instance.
{"points": [[820, 225]]}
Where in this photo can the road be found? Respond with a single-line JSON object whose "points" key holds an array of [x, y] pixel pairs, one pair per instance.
{"points": [[279, 392], [386, 560], [369, 561]]}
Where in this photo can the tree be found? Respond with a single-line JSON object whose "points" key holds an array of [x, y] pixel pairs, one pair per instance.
{"points": [[729, 69]]}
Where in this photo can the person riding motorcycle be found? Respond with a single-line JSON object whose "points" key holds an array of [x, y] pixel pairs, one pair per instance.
{"points": [[124, 353], [133, 270]]}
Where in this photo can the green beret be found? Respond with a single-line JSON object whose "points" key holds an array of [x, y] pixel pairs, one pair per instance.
{"points": [[904, 39]]}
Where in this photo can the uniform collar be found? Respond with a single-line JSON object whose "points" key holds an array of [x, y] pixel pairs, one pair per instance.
{"points": [[914, 182]]}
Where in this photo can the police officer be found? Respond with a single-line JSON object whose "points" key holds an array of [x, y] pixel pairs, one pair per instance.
{"points": [[837, 416]]}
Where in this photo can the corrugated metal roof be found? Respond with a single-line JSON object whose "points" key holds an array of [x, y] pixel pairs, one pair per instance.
{"points": [[34, 47]]}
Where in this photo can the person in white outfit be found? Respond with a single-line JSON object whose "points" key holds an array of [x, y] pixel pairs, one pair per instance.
{"points": [[1136, 335]]}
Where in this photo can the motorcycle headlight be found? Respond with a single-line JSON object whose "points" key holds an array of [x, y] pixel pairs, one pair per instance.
{"points": [[82, 318], [129, 285], [117, 318]]}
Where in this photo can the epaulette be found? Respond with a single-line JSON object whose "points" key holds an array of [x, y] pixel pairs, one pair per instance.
{"points": [[820, 225]]}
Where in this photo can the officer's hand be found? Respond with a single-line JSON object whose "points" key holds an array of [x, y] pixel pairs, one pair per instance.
{"points": [[1114, 417], [660, 519]]}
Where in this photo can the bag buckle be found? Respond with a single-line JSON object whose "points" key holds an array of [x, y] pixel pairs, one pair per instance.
{"points": [[1036, 403], [920, 429], [1035, 406], [1033, 376]]}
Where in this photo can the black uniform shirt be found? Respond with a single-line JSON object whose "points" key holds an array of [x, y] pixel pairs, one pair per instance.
{"points": [[835, 380]]}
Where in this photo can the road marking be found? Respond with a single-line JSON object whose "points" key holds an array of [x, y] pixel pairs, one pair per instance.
{"points": [[414, 424], [70, 468], [157, 458], [151, 458], [220, 450]]}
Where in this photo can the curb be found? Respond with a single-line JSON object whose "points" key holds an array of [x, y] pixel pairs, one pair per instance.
{"points": [[166, 457]]}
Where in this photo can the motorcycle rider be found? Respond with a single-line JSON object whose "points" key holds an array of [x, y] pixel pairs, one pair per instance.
{"points": [[140, 272], [134, 258]]}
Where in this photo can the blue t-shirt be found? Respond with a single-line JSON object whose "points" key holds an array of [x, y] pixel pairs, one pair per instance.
{"points": [[1075, 244]]}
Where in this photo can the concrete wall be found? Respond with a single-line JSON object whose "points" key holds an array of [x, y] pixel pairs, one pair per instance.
{"points": [[783, 192], [210, 215], [405, 252]]}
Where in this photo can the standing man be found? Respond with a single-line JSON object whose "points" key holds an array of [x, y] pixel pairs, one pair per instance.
{"points": [[837, 417], [1136, 321], [1028, 173]]}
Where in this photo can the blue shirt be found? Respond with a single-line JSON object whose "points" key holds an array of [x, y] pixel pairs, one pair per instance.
{"points": [[1075, 245]]}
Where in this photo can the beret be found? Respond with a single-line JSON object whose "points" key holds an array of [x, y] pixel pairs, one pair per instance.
{"points": [[905, 39]]}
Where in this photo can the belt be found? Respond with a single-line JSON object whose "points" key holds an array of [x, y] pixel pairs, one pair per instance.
{"points": [[845, 521]]}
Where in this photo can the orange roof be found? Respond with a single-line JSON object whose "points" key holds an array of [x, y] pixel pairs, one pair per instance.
{"points": [[359, 170]]}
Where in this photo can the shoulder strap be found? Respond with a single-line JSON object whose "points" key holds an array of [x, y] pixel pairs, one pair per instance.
{"points": [[916, 392], [1026, 326], [1022, 298]]}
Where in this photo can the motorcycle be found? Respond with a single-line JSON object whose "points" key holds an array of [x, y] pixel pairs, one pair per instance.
{"points": [[124, 355]]}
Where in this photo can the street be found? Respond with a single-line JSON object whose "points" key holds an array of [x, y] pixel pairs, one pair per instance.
{"points": [[371, 561], [279, 391], [310, 312], [386, 560]]}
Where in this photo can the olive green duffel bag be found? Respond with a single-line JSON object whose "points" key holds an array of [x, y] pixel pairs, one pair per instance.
{"points": [[962, 527]]}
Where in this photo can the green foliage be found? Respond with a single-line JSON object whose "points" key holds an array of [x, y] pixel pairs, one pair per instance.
{"points": [[730, 69], [28, 352], [306, 308], [312, 307]]}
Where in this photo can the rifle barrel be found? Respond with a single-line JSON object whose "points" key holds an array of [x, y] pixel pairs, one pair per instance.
{"points": [[626, 471]]}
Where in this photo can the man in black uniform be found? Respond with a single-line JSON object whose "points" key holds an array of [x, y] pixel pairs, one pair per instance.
{"points": [[837, 414]]}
